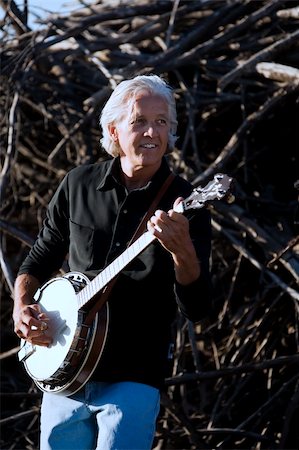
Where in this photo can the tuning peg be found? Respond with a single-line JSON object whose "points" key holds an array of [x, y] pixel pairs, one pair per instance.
{"points": [[230, 198]]}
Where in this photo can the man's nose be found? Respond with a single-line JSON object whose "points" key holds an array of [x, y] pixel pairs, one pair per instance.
{"points": [[150, 130]]}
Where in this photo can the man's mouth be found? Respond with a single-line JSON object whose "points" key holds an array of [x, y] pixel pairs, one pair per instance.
{"points": [[148, 145]]}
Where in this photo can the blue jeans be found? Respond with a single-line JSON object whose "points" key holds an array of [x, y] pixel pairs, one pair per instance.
{"points": [[102, 416]]}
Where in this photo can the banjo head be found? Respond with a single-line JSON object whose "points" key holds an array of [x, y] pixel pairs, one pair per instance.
{"points": [[58, 300]]}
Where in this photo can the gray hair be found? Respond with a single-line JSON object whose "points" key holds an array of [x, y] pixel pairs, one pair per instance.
{"points": [[117, 107]]}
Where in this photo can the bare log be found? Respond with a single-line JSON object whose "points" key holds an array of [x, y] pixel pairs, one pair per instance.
{"points": [[278, 72]]}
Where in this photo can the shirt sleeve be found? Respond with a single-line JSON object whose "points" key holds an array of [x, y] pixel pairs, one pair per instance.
{"points": [[49, 250], [195, 299]]}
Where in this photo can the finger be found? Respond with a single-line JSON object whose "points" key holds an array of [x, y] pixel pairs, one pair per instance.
{"points": [[42, 326], [153, 227], [34, 323], [20, 334], [21, 330], [40, 335], [178, 201], [158, 215], [43, 316], [42, 340], [159, 225]]}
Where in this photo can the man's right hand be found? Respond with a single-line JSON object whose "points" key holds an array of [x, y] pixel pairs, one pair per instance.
{"points": [[30, 323]]}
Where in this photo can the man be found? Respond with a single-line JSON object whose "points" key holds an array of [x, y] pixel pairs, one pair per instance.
{"points": [[91, 218]]}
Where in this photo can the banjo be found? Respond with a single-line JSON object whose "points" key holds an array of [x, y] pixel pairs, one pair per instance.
{"points": [[77, 324]]}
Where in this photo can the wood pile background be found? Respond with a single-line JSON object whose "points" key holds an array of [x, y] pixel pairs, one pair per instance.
{"points": [[234, 66]]}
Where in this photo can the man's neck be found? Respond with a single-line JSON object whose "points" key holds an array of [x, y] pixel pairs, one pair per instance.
{"points": [[136, 178], [134, 182]]}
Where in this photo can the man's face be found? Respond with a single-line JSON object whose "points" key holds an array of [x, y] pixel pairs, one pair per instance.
{"points": [[143, 134]]}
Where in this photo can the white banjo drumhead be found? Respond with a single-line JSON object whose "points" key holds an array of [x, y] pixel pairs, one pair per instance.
{"points": [[58, 301]]}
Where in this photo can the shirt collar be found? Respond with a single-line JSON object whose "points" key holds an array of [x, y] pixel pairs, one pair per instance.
{"points": [[112, 178]]}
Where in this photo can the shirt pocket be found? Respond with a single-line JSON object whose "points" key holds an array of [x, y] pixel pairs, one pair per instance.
{"points": [[81, 247]]}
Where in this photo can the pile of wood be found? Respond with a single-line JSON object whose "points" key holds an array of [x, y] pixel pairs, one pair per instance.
{"points": [[234, 66]]}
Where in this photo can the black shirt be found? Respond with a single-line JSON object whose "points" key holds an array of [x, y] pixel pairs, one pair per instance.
{"points": [[90, 220]]}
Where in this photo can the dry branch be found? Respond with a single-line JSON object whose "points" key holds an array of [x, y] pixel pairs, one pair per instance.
{"points": [[234, 69]]}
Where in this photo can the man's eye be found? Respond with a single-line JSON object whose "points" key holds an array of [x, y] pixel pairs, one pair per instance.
{"points": [[162, 121], [138, 121]]}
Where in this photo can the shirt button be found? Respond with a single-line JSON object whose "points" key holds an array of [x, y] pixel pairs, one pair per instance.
{"points": [[125, 211], [117, 244]]}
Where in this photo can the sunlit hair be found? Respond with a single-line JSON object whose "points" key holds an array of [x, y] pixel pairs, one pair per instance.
{"points": [[118, 106]]}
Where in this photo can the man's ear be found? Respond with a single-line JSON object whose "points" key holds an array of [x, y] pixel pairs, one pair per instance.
{"points": [[113, 132]]}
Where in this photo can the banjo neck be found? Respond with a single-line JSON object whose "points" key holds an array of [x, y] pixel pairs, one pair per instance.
{"points": [[96, 285]]}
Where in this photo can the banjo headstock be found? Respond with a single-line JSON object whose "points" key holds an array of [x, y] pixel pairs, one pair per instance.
{"points": [[216, 189]]}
